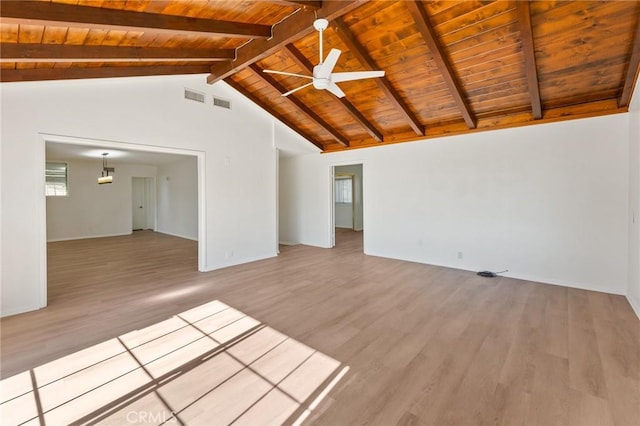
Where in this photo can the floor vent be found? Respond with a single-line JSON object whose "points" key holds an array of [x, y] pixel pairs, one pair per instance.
{"points": [[194, 96], [222, 103]]}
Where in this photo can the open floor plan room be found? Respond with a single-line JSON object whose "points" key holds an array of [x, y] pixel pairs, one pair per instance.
{"points": [[320, 212], [395, 342]]}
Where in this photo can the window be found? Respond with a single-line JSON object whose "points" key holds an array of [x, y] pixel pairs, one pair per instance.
{"points": [[55, 177], [344, 189]]}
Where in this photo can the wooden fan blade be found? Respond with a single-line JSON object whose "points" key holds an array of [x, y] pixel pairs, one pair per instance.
{"points": [[357, 75]]}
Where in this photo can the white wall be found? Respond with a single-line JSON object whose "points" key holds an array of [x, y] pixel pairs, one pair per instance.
{"points": [[238, 148], [177, 190], [633, 291], [92, 210], [349, 215], [549, 202], [344, 215]]}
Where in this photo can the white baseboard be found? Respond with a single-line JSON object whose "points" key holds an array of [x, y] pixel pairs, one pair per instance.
{"points": [[19, 310], [210, 268], [514, 275], [176, 235], [634, 306], [86, 237], [287, 243], [570, 284]]}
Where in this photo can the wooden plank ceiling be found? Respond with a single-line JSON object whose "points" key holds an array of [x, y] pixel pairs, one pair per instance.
{"points": [[451, 67]]}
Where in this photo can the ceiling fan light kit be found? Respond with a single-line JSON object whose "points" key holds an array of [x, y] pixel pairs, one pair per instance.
{"points": [[323, 77]]}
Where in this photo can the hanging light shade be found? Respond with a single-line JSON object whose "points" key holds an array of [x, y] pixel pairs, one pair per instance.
{"points": [[105, 177]]}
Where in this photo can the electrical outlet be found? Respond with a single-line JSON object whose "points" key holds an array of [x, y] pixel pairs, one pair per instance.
{"points": [[459, 255], [229, 254]]}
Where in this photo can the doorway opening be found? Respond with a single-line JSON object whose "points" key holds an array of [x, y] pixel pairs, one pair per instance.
{"points": [[347, 224], [102, 208]]}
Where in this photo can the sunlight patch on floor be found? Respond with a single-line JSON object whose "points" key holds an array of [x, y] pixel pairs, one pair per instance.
{"points": [[209, 365]]}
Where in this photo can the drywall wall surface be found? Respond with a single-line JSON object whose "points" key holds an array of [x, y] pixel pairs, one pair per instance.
{"points": [[633, 290], [91, 210], [548, 202], [344, 215], [177, 198], [305, 198], [239, 156], [289, 209]]}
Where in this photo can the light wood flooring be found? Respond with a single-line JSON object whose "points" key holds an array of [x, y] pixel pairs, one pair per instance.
{"points": [[424, 345]]}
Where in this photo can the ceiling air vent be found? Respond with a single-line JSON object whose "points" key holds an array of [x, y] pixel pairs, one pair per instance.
{"points": [[222, 103], [194, 96]]}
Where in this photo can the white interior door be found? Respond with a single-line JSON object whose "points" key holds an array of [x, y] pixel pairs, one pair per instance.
{"points": [[139, 203]]}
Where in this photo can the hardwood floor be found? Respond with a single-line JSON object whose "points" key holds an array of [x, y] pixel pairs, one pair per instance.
{"points": [[425, 345]]}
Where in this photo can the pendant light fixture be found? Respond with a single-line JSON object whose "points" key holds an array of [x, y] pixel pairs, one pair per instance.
{"points": [[105, 177]]}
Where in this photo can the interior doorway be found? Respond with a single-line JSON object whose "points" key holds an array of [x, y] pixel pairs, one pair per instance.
{"points": [[143, 203], [347, 205]]}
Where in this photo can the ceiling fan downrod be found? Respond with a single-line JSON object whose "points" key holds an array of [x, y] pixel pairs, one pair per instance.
{"points": [[320, 25]]}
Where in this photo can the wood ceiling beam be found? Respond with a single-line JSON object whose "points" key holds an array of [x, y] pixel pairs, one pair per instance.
{"points": [[633, 70], [293, 28], [299, 104], [524, 19], [509, 119], [35, 74], [31, 52], [342, 30], [439, 56], [304, 63], [59, 14], [271, 111], [314, 4]]}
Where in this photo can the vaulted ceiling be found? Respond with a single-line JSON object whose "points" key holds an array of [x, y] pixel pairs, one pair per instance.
{"points": [[451, 67]]}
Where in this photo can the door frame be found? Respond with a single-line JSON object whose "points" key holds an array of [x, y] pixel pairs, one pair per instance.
{"points": [[41, 207], [331, 234]]}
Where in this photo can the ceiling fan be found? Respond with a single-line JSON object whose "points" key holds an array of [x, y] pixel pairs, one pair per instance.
{"points": [[323, 77]]}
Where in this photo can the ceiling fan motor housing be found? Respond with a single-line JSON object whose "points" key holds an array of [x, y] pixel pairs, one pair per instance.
{"points": [[319, 82]]}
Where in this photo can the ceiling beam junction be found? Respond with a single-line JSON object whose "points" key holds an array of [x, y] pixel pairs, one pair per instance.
{"points": [[524, 19], [33, 52], [342, 30], [439, 56], [293, 28], [299, 104], [59, 14], [304, 63]]}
